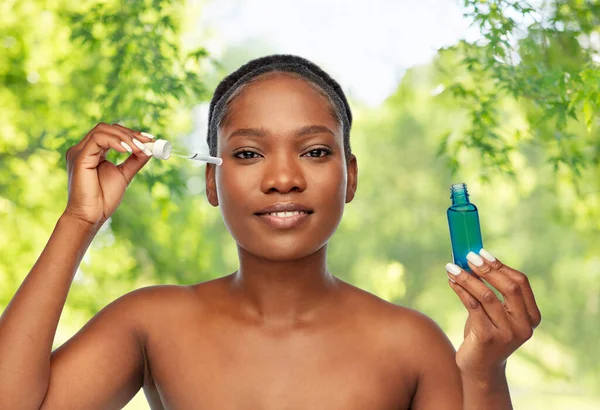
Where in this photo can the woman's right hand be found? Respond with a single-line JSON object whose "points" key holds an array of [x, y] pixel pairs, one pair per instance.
{"points": [[97, 186]]}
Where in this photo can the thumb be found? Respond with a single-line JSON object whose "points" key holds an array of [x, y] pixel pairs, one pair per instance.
{"points": [[132, 165]]}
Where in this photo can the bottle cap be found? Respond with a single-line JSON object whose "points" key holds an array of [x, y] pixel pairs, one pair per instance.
{"points": [[161, 149]]}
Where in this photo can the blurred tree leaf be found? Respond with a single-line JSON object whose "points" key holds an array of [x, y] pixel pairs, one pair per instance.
{"points": [[64, 67], [546, 57]]}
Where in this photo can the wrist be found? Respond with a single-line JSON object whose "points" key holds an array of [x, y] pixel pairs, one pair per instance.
{"points": [[70, 219], [485, 380]]}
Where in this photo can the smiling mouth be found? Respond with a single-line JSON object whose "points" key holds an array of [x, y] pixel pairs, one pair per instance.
{"points": [[284, 214], [284, 220]]}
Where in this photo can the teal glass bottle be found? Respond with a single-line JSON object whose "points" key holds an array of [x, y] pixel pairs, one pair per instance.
{"points": [[463, 221]]}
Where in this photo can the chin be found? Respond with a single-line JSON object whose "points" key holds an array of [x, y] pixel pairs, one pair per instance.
{"points": [[281, 249]]}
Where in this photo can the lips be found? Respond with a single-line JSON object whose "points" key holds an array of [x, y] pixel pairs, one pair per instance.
{"points": [[284, 215], [285, 207], [284, 222]]}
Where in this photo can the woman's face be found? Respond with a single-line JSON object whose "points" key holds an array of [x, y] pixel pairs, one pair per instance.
{"points": [[267, 161]]}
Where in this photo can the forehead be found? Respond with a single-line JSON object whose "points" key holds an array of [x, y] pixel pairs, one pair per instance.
{"points": [[279, 102]]}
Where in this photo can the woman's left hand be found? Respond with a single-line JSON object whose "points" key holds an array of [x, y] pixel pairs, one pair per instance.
{"points": [[494, 329]]}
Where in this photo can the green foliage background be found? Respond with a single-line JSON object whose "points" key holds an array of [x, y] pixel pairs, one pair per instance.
{"points": [[514, 115]]}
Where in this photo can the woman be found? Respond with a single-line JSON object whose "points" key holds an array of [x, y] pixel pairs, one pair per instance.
{"points": [[281, 332]]}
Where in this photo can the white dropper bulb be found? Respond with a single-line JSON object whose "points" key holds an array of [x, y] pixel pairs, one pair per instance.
{"points": [[162, 149]]}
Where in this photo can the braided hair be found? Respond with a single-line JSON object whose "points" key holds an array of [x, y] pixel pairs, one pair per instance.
{"points": [[292, 65]]}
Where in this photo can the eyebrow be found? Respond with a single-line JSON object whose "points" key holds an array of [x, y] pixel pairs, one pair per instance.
{"points": [[300, 132]]}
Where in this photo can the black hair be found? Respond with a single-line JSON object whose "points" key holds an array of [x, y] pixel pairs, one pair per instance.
{"points": [[277, 63]]}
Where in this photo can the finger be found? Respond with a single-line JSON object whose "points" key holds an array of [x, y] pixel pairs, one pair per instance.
{"points": [[127, 135], [496, 275], [131, 166], [533, 311], [132, 138], [477, 314], [483, 294], [522, 280], [142, 136], [75, 149], [138, 138], [101, 126], [94, 150], [123, 133]]}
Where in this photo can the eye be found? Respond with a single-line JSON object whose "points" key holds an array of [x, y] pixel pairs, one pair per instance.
{"points": [[246, 155], [319, 152], [314, 153]]}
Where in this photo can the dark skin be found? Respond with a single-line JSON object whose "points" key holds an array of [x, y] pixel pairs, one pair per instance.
{"points": [[281, 332]]}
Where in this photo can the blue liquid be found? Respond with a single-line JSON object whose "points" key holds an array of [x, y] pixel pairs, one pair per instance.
{"points": [[465, 231]]}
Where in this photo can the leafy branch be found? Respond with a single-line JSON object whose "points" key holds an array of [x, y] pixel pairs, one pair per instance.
{"points": [[544, 59]]}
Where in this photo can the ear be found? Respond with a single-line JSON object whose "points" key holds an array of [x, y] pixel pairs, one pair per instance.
{"points": [[352, 167], [211, 184]]}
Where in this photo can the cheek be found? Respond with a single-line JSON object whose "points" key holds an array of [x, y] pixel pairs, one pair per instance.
{"points": [[233, 190], [330, 186], [233, 186]]}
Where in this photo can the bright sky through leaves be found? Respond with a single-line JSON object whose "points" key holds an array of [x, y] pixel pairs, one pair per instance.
{"points": [[365, 45]]}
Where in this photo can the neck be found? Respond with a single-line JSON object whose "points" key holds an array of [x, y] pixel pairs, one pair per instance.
{"points": [[283, 293]]}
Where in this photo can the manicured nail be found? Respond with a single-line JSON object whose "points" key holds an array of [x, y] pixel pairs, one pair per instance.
{"points": [[474, 259], [142, 147], [139, 144], [451, 280], [126, 146], [145, 134], [453, 269], [487, 255]]}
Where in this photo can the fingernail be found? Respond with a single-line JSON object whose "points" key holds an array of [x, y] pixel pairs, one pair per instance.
{"points": [[453, 269], [474, 259], [126, 146], [487, 255], [139, 144], [145, 134], [451, 280], [147, 152]]}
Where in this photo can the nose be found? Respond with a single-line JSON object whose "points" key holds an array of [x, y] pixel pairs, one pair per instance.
{"points": [[283, 174]]}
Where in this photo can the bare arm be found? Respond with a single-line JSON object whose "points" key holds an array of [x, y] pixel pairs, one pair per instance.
{"points": [[490, 393], [439, 385], [102, 366], [28, 324], [441, 382]]}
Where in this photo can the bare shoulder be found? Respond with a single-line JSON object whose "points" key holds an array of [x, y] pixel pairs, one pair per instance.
{"points": [[408, 329], [176, 296], [164, 303], [419, 345], [390, 313], [149, 299]]}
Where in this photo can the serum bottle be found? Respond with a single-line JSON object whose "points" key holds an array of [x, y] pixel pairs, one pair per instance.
{"points": [[463, 221]]}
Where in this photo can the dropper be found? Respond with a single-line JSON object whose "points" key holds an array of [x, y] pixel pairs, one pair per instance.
{"points": [[163, 149]]}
